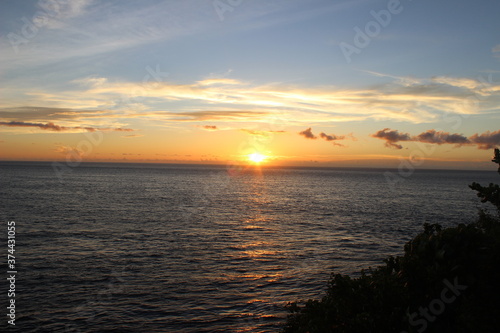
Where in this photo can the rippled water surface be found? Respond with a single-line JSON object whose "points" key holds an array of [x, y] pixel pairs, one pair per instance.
{"points": [[165, 248]]}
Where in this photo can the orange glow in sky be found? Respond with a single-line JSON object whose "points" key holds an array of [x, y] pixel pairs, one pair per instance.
{"points": [[185, 83]]}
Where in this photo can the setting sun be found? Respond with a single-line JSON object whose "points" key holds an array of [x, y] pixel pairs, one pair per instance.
{"points": [[256, 157]]}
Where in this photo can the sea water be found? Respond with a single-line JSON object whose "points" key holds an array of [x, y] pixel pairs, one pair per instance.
{"points": [[193, 248]]}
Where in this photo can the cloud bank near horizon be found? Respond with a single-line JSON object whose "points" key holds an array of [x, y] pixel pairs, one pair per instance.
{"points": [[484, 141]]}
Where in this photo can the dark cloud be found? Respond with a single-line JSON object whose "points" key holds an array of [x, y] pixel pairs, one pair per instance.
{"points": [[308, 134], [210, 127], [57, 128], [47, 126], [391, 137], [331, 137], [487, 140], [432, 136]]}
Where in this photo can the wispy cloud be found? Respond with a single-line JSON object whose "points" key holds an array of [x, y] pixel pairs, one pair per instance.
{"points": [[80, 30], [209, 82], [231, 100], [63, 119], [56, 14], [210, 115], [260, 132], [33, 113], [416, 100], [57, 128], [486, 140]]}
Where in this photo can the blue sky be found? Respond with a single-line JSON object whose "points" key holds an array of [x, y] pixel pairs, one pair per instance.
{"points": [[166, 69]]}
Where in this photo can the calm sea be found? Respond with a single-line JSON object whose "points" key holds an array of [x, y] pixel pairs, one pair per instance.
{"points": [[166, 248]]}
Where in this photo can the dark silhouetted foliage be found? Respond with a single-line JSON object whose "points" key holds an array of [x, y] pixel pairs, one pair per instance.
{"points": [[448, 280], [491, 193]]}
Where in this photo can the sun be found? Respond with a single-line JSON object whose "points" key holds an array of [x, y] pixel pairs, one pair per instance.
{"points": [[256, 158]]}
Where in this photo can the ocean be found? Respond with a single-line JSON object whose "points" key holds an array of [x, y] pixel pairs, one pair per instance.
{"points": [[197, 248]]}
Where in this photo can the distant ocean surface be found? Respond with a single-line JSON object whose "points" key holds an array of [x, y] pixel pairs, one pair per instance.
{"points": [[170, 248]]}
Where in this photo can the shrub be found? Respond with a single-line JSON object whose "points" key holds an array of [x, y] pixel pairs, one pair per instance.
{"points": [[446, 281]]}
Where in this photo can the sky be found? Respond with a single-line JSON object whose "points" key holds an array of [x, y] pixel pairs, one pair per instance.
{"points": [[409, 83]]}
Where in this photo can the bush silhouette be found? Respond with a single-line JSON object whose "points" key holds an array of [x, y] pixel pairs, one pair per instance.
{"points": [[446, 281], [491, 193]]}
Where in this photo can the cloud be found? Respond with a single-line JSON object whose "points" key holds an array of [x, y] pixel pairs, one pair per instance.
{"points": [[119, 129], [486, 140], [33, 113], [308, 134], [333, 138], [229, 100], [132, 136], [57, 128], [404, 99], [210, 127], [260, 132], [391, 137], [211, 115], [431, 136], [91, 81], [77, 30], [330, 137], [55, 13], [48, 126], [225, 81]]}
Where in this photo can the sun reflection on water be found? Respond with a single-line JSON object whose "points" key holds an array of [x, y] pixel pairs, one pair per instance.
{"points": [[258, 246]]}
